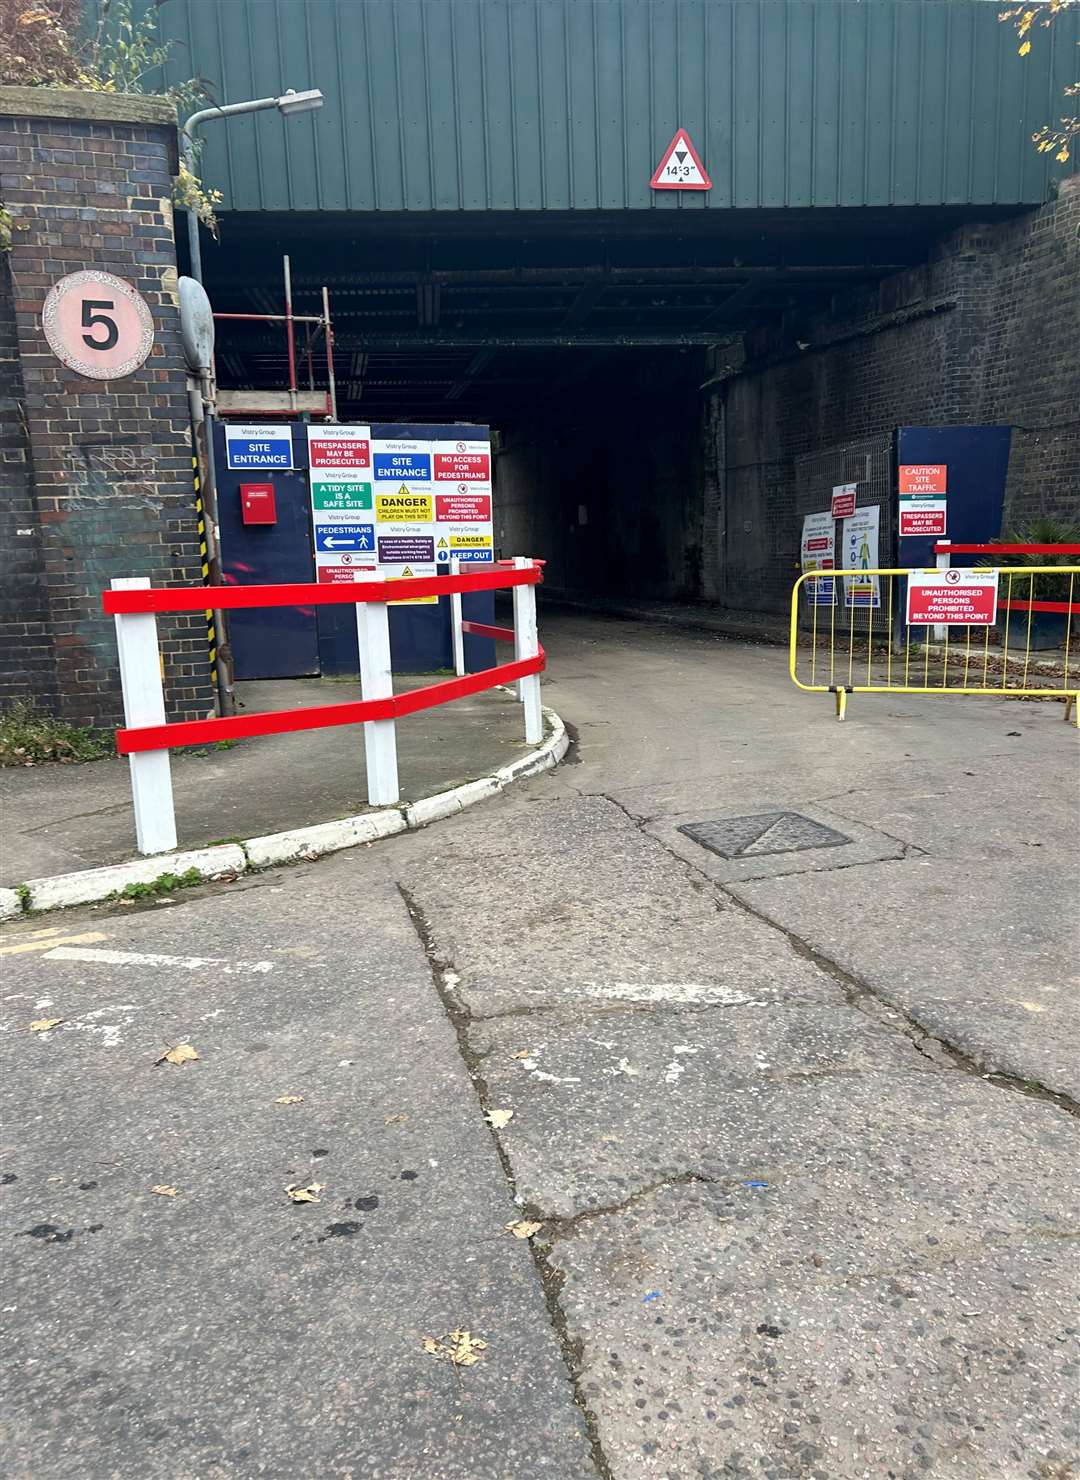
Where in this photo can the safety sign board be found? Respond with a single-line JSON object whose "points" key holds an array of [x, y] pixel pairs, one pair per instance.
{"points": [[922, 490], [339, 495], [339, 473], [843, 500], [406, 504], [395, 548], [401, 572], [951, 597], [680, 167], [413, 465], [923, 478], [468, 463], [355, 537], [817, 552], [345, 570], [258, 446], [339, 447], [860, 553], [463, 508]]}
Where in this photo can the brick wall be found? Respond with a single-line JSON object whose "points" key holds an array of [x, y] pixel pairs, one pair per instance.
{"points": [[27, 663], [986, 332], [99, 472]]}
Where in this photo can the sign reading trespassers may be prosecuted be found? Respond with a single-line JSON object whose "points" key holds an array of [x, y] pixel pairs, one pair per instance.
{"points": [[952, 597]]}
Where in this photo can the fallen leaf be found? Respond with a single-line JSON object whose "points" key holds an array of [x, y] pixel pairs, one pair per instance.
{"points": [[163, 1191], [460, 1347], [289, 1100], [498, 1118], [524, 1228], [398, 1119], [183, 1053], [522, 1053], [42, 1025], [308, 1194]]}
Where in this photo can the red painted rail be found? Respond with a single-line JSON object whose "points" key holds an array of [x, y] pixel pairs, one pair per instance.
{"points": [[946, 547], [238, 598], [324, 716], [1014, 604]]}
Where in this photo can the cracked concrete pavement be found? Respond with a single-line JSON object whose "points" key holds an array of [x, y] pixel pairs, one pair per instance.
{"points": [[801, 1128]]}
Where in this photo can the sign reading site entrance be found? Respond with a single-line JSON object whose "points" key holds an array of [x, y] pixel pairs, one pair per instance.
{"points": [[256, 446], [922, 490], [966, 598]]}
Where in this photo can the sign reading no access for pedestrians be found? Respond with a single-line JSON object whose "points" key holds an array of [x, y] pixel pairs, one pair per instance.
{"points": [[966, 598]]}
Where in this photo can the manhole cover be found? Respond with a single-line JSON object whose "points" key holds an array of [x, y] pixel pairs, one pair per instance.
{"points": [[765, 832]]}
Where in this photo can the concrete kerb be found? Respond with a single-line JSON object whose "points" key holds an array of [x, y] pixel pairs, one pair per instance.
{"points": [[228, 860]]}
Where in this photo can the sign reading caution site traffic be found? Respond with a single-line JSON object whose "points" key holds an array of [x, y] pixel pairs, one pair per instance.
{"points": [[681, 167]]}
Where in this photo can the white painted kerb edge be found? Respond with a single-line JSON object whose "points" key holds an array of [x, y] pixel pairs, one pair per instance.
{"points": [[91, 885]]}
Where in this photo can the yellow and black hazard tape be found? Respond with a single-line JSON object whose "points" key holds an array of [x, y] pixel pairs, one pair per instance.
{"points": [[200, 524]]}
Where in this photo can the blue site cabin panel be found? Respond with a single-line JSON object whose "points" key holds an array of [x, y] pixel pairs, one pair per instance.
{"points": [[446, 105]]}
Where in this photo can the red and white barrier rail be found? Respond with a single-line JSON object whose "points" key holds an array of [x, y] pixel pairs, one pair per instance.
{"points": [[147, 739]]}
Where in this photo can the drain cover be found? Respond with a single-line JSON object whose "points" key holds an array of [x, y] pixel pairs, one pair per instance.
{"points": [[765, 832]]}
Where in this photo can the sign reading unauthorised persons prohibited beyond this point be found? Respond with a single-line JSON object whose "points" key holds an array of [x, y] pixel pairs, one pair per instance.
{"points": [[966, 598]]}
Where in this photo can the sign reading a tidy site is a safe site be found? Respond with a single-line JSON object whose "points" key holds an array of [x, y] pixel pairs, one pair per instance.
{"points": [[966, 598]]}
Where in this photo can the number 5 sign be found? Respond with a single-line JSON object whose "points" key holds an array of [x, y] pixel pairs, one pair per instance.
{"points": [[97, 325]]}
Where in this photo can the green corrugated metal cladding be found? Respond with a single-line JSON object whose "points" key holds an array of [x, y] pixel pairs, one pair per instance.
{"points": [[567, 104]]}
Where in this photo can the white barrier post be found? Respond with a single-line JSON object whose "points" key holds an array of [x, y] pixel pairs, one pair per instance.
{"points": [[942, 560], [144, 704], [527, 645], [377, 682], [456, 634]]}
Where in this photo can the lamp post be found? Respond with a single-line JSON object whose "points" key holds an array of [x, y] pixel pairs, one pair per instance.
{"points": [[287, 104], [200, 386]]}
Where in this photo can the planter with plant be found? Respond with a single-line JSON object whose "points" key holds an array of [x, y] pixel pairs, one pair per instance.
{"points": [[1039, 630]]}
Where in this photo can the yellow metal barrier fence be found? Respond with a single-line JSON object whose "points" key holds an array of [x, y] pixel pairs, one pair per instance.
{"points": [[850, 635]]}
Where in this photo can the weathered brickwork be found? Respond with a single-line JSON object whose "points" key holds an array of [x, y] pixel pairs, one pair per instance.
{"points": [[97, 472], [985, 333]]}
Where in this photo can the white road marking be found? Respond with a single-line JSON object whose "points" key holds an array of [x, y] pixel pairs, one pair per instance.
{"points": [[149, 958], [666, 992], [44, 940]]}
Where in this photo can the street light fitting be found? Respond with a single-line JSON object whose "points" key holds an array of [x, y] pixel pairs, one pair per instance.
{"points": [[299, 102]]}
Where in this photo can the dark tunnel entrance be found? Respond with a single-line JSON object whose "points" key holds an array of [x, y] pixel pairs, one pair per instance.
{"points": [[600, 349]]}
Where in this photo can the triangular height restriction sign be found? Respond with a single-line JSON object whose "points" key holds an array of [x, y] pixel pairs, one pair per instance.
{"points": [[680, 168]]}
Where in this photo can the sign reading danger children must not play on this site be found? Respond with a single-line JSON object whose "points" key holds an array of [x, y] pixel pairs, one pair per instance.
{"points": [[407, 505]]}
